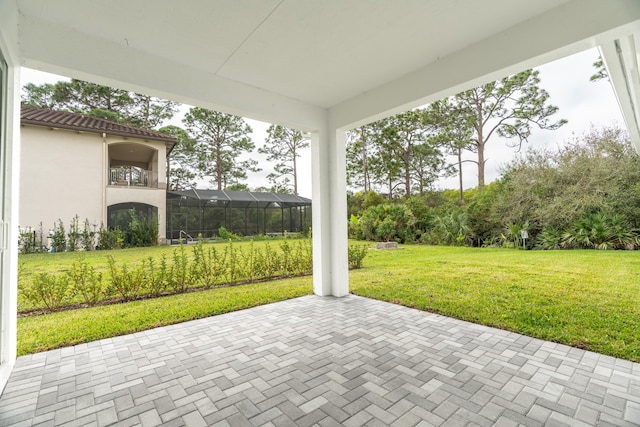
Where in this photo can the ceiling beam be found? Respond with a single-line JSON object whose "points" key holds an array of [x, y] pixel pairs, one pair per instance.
{"points": [[41, 49], [567, 29]]}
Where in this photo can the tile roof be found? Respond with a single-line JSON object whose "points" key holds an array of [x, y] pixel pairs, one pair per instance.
{"points": [[64, 120]]}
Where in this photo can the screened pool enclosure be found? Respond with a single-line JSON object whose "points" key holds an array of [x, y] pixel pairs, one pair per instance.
{"points": [[202, 212]]}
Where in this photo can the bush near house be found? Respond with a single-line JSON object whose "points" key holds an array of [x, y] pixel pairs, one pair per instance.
{"points": [[81, 237]]}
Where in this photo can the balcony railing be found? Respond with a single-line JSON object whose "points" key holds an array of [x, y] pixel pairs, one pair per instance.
{"points": [[132, 176]]}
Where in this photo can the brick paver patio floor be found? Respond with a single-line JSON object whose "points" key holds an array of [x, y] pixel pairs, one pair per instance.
{"points": [[322, 361]]}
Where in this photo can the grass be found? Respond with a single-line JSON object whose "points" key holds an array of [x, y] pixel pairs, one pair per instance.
{"points": [[586, 299], [40, 333]]}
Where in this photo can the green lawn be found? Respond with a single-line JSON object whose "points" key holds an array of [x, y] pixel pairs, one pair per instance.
{"points": [[61, 329], [587, 299]]}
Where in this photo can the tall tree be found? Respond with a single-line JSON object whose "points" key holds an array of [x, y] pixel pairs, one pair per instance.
{"points": [[181, 164], [509, 108], [359, 150], [395, 152], [283, 145], [220, 140], [455, 134], [408, 135], [77, 96]]}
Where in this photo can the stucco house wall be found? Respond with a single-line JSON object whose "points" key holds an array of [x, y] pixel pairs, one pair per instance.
{"points": [[67, 172], [61, 175]]}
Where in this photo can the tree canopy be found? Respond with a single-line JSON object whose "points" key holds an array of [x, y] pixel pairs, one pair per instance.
{"points": [[397, 152], [77, 96], [509, 108], [219, 141], [283, 145]]}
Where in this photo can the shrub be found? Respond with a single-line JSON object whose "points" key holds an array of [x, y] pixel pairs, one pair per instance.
{"points": [[600, 230], [225, 234], [84, 280], [357, 253], [87, 237], [124, 283], [208, 266], [110, 239], [179, 277], [387, 222], [142, 232], [156, 276], [549, 238], [27, 240], [48, 290], [58, 237], [74, 234]]}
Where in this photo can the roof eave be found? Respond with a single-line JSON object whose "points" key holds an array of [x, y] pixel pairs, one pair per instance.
{"points": [[621, 59]]}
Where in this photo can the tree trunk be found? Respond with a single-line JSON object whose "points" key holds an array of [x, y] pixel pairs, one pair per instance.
{"points": [[219, 171], [365, 171], [480, 145], [295, 175], [480, 166], [460, 175], [406, 157]]}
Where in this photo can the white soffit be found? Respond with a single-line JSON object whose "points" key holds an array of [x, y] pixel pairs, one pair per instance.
{"points": [[294, 61]]}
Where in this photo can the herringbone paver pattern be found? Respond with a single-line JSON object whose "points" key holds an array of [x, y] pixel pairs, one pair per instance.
{"points": [[327, 362]]}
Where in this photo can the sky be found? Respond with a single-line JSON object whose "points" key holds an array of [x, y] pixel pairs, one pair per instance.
{"points": [[581, 102]]}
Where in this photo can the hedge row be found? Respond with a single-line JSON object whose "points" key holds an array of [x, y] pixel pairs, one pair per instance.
{"points": [[208, 266]]}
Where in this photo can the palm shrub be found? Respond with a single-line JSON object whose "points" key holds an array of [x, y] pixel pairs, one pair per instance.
{"points": [[513, 234], [600, 230], [451, 228], [549, 238]]}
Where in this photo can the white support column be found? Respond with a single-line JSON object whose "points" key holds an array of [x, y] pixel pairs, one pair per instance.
{"points": [[330, 257], [9, 172]]}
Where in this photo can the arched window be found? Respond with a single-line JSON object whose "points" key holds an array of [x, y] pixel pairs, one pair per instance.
{"points": [[119, 215]]}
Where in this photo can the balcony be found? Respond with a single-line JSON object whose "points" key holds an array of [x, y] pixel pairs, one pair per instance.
{"points": [[132, 176]]}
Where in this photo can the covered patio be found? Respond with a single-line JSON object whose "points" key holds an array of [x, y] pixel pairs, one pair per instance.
{"points": [[289, 364], [323, 68]]}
